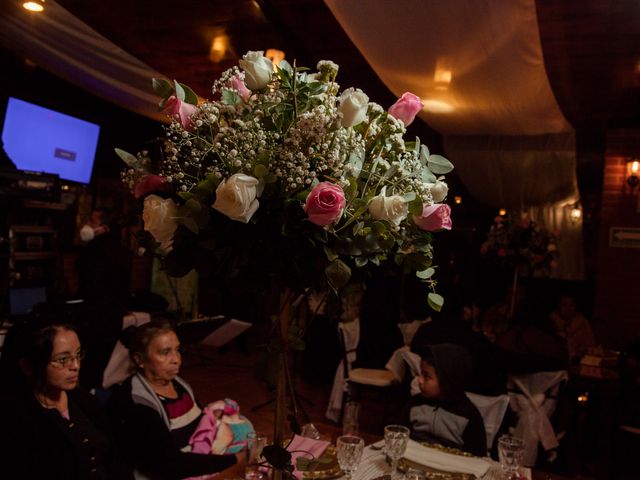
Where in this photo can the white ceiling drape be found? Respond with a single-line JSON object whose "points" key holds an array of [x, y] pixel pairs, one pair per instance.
{"points": [[70, 49], [478, 66]]}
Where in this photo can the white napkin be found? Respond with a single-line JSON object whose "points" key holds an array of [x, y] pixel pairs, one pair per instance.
{"points": [[448, 462]]}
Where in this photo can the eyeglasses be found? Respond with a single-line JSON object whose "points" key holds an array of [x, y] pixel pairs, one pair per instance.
{"points": [[65, 361]]}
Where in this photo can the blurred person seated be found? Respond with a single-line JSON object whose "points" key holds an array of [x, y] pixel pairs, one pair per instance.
{"points": [[442, 413], [571, 325], [157, 418], [51, 428]]}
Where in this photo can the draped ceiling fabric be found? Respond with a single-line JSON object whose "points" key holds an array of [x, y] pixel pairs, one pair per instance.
{"points": [[479, 69], [62, 44]]}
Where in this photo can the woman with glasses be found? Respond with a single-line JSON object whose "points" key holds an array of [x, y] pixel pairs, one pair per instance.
{"points": [[155, 413], [50, 428]]}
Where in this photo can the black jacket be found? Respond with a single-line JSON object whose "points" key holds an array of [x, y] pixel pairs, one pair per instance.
{"points": [[38, 443], [452, 421]]}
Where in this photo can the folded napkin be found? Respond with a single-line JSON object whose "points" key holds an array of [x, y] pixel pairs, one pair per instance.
{"points": [[448, 462], [305, 447]]}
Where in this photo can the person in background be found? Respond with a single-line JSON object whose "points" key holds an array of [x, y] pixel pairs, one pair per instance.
{"points": [[441, 413], [51, 428], [104, 277], [155, 414], [572, 326], [94, 226]]}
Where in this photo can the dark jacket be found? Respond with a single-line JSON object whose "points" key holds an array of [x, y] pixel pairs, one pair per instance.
{"points": [[141, 426], [38, 443], [453, 420]]}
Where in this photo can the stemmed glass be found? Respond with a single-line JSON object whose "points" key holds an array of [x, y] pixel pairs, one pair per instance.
{"points": [[256, 441], [396, 438], [349, 453], [510, 452]]}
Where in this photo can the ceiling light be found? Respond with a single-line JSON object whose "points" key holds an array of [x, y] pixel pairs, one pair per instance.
{"points": [[33, 6]]}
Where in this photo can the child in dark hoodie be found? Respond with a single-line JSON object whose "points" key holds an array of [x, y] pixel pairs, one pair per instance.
{"points": [[441, 412]]}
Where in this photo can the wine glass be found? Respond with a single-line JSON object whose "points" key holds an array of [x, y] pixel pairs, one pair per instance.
{"points": [[510, 451], [256, 441], [349, 453], [396, 438]]}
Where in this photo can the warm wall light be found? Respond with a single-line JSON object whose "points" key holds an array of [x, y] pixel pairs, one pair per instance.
{"points": [[576, 213], [457, 199], [502, 212], [442, 74], [34, 6], [219, 47], [275, 55], [633, 169], [437, 106]]}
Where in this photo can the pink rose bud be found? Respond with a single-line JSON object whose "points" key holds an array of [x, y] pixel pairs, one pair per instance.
{"points": [[325, 203], [406, 108], [150, 183], [237, 84], [434, 217], [180, 110]]}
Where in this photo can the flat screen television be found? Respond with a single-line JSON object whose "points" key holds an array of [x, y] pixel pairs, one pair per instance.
{"points": [[43, 140]]}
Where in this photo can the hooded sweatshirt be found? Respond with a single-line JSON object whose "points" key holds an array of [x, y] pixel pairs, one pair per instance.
{"points": [[451, 420]]}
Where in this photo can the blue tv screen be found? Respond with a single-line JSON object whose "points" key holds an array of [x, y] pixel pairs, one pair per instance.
{"points": [[42, 140]]}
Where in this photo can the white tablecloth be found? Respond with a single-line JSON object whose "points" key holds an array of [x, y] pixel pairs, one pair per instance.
{"points": [[373, 465]]}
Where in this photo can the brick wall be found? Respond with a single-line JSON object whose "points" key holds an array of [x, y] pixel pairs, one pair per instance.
{"points": [[617, 292]]}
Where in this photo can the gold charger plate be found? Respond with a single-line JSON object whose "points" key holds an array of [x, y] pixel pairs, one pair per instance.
{"points": [[324, 471], [432, 473]]}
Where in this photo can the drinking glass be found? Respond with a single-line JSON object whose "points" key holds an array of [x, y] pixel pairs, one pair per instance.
{"points": [[396, 438], [510, 451], [349, 453], [256, 441], [350, 423]]}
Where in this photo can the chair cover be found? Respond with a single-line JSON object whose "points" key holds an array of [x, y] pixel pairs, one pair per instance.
{"points": [[532, 397], [492, 410], [350, 333]]}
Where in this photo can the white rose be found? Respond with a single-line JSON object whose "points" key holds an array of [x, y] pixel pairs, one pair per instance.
{"points": [[353, 106], [257, 68], [394, 208], [439, 191], [236, 197], [159, 218]]}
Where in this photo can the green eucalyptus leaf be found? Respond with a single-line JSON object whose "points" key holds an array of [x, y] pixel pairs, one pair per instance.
{"points": [[260, 171], [415, 206], [338, 273], [435, 301], [424, 154], [427, 176], [190, 223], [189, 95], [409, 196], [230, 97], [180, 94], [285, 67], [331, 255], [128, 158], [439, 165], [425, 274], [163, 88], [361, 261]]}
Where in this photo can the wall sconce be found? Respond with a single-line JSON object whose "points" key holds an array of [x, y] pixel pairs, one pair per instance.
{"points": [[576, 213], [502, 212], [457, 200], [633, 169], [36, 6], [275, 55], [219, 47]]}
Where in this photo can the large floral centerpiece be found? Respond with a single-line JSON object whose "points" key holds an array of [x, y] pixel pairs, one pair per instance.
{"points": [[515, 242], [285, 178]]}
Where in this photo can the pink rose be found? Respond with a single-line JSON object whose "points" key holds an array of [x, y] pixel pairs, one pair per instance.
{"points": [[237, 84], [180, 110], [434, 217], [150, 183], [406, 108], [325, 203]]}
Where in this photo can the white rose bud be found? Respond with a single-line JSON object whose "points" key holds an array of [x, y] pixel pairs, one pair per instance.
{"points": [[258, 70], [236, 197], [353, 106], [439, 191], [159, 217], [393, 209]]}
